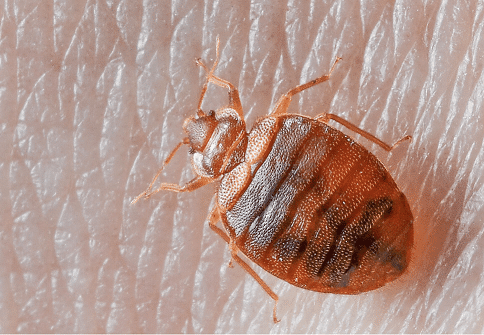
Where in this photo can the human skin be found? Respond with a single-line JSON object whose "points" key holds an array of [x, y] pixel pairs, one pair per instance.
{"points": [[93, 96]]}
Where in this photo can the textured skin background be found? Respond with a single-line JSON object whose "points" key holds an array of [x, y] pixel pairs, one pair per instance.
{"points": [[92, 98]]}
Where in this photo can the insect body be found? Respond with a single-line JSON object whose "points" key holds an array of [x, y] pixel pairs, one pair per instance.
{"points": [[297, 197], [316, 209]]}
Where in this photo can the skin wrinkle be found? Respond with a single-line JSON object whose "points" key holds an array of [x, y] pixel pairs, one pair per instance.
{"points": [[93, 97]]}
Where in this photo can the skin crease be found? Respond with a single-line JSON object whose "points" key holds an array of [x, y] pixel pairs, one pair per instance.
{"points": [[93, 97]]}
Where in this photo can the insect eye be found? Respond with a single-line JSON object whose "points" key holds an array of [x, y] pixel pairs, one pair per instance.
{"points": [[199, 130]]}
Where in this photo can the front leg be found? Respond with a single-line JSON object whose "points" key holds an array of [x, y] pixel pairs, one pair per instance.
{"points": [[234, 99], [192, 185]]}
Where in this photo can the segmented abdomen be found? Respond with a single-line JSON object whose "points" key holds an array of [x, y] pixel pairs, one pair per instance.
{"points": [[321, 212]]}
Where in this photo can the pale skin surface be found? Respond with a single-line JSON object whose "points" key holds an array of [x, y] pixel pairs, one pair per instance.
{"points": [[93, 97]]}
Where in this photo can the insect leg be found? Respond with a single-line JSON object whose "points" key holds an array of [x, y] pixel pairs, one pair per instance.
{"points": [[266, 287], [284, 101], [326, 117], [213, 218], [192, 185], [188, 187], [234, 99]]}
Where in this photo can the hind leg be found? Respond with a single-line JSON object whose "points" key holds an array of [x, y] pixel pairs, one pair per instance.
{"points": [[213, 218]]}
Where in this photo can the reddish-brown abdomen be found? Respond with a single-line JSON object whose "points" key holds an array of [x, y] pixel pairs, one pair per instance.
{"points": [[321, 212]]}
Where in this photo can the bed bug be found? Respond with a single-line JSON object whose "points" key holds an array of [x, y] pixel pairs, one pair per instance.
{"points": [[297, 197]]}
